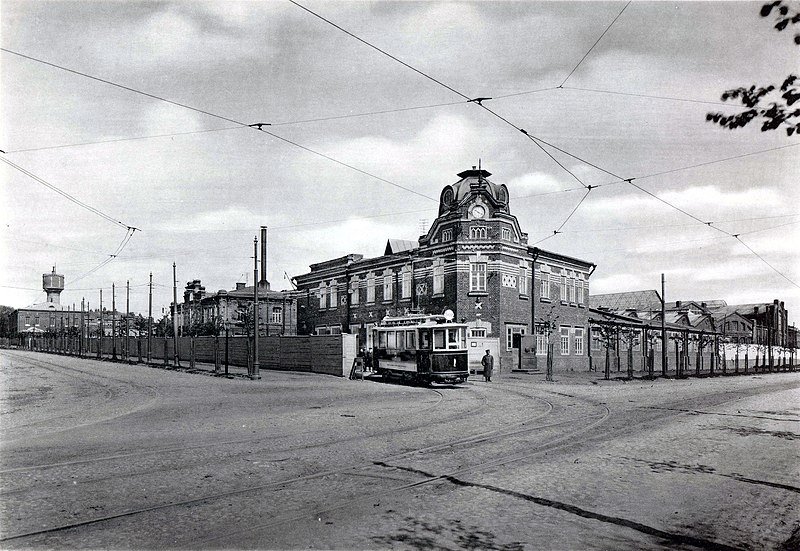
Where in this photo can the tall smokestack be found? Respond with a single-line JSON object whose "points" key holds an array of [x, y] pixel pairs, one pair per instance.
{"points": [[263, 256]]}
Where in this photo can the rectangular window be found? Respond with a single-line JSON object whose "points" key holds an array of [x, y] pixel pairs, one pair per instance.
{"points": [[447, 235], [370, 289], [438, 279], [541, 342], [391, 339], [387, 287], [545, 290], [571, 287], [333, 295], [355, 295], [323, 297], [506, 234], [277, 315], [411, 339], [564, 296], [438, 339], [512, 330], [564, 340], [595, 342], [406, 291], [523, 280], [579, 290], [578, 335], [477, 276], [477, 333]]}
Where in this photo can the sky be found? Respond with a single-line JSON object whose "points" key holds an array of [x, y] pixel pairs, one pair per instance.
{"points": [[338, 177]]}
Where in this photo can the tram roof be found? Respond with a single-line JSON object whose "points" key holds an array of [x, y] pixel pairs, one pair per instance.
{"points": [[418, 320]]}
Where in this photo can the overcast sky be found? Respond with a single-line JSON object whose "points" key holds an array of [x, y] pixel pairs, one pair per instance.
{"points": [[199, 198]]}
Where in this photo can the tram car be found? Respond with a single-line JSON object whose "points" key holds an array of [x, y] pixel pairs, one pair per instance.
{"points": [[421, 348]]}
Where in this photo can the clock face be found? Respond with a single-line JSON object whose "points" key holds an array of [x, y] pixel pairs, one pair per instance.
{"points": [[478, 211]]}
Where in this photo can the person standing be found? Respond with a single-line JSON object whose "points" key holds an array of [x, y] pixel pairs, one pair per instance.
{"points": [[488, 366]]}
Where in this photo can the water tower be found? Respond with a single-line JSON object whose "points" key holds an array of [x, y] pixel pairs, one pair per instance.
{"points": [[53, 284]]}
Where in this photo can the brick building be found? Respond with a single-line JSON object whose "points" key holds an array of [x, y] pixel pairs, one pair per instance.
{"points": [[49, 316], [474, 260]]}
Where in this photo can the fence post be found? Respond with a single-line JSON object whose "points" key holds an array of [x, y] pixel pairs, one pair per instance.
{"points": [[191, 352], [630, 359], [216, 354], [549, 374], [166, 355]]}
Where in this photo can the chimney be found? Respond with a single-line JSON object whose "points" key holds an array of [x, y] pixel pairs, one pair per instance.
{"points": [[239, 286], [263, 281], [677, 304]]}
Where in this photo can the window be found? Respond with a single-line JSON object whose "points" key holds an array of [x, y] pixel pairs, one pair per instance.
{"points": [[477, 276], [512, 330], [545, 290], [370, 289], [506, 234], [578, 335], [323, 297], [355, 295], [541, 342], [27, 319], [406, 290], [595, 342], [564, 340], [387, 287], [277, 315], [571, 287], [438, 279], [477, 232], [333, 294], [447, 235], [523, 280], [438, 339], [579, 289], [564, 288], [477, 333]]}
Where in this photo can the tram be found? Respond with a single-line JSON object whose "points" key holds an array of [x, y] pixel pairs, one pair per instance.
{"points": [[421, 348]]}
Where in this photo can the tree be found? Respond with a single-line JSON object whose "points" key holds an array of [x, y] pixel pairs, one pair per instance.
{"points": [[772, 105]]}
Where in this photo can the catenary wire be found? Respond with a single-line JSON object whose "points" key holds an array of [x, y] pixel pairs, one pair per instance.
{"points": [[649, 96], [595, 44], [221, 117], [66, 195]]}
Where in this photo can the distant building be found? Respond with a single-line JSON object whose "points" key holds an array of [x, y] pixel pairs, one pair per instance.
{"points": [[49, 316], [474, 260], [228, 310]]}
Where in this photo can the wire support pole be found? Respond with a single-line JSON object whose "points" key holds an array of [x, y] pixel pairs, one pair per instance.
{"points": [[255, 374]]}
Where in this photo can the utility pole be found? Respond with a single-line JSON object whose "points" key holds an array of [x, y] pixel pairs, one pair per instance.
{"points": [[128, 320], [113, 322], [100, 335], [254, 375], [264, 269], [175, 314], [150, 322], [663, 331], [80, 344]]}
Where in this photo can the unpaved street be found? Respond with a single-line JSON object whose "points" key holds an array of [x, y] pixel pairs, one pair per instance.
{"points": [[101, 455]]}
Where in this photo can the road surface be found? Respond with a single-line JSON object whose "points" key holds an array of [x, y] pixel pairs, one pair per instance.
{"points": [[103, 455]]}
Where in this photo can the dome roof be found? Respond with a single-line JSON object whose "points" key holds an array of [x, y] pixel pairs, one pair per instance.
{"points": [[474, 181]]}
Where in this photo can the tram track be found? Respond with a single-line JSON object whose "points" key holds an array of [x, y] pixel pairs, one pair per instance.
{"points": [[356, 467]]}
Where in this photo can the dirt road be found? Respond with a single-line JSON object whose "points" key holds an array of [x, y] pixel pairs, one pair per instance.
{"points": [[101, 455]]}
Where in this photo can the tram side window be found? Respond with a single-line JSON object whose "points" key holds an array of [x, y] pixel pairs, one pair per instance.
{"points": [[438, 339], [411, 340], [381, 339], [401, 340], [391, 339], [425, 340], [452, 338]]}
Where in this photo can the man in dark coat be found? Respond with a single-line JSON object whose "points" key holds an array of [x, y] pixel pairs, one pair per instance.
{"points": [[488, 366]]}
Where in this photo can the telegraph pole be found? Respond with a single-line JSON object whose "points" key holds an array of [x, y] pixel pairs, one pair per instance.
{"points": [[255, 374], [100, 335], [113, 322], [663, 331], [80, 344], [128, 320], [150, 321], [175, 313]]}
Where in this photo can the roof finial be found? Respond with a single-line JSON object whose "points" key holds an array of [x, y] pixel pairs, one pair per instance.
{"points": [[479, 170]]}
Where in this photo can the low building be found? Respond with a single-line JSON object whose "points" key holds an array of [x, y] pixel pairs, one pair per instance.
{"points": [[212, 314]]}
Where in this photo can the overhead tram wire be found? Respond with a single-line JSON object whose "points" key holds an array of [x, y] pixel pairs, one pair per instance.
{"points": [[648, 96], [67, 195], [784, 276], [595, 44], [221, 117]]}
